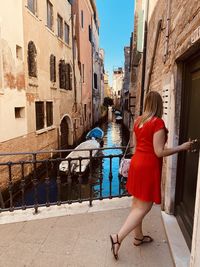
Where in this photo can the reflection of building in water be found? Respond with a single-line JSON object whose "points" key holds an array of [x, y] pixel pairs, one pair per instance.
{"points": [[110, 114]]}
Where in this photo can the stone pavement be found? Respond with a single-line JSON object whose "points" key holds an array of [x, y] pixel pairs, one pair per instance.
{"points": [[80, 238]]}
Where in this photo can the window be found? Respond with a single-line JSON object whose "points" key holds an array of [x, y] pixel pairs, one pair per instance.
{"points": [[32, 6], [65, 75], [66, 33], [60, 26], [52, 68], [49, 15], [126, 104], [49, 113], [90, 33], [95, 81], [62, 74], [32, 66], [19, 52], [19, 112], [68, 77], [39, 113], [82, 19]]}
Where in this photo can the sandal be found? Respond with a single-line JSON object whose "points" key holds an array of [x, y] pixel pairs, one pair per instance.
{"points": [[113, 246], [145, 239]]}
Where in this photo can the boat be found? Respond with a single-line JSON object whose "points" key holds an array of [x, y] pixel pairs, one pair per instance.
{"points": [[117, 112], [118, 118], [80, 151], [96, 133]]}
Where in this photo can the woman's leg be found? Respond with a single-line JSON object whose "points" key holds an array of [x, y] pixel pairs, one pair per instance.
{"points": [[137, 231], [134, 219]]}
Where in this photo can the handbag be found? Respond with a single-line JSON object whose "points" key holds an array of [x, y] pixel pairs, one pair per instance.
{"points": [[125, 164]]}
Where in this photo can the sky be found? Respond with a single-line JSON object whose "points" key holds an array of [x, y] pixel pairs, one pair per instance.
{"points": [[116, 25]]}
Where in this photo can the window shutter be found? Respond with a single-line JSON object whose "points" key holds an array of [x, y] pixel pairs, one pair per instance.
{"points": [[62, 74], [32, 53], [52, 68]]}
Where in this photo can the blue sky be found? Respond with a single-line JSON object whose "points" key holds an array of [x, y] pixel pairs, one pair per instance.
{"points": [[116, 25]]}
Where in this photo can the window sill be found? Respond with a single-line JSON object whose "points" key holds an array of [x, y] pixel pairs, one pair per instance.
{"points": [[45, 130], [53, 86], [50, 30], [61, 40], [33, 81], [65, 90], [32, 14]]}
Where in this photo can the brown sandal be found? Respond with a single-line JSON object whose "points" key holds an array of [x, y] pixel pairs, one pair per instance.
{"points": [[113, 246], [145, 239]]}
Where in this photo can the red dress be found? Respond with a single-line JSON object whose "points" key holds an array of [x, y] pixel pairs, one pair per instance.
{"points": [[144, 177]]}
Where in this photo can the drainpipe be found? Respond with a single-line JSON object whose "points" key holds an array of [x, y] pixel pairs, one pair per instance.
{"points": [[144, 57], [167, 32], [154, 54], [92, 46], [74, 75]]}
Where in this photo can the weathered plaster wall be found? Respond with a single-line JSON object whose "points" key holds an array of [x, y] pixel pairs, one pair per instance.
{"points": [[12, 81]]}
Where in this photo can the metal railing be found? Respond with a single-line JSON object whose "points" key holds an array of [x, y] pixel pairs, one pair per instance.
{"points": [[34, 179]]}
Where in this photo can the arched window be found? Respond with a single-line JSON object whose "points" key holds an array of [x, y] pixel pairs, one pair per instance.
{"points": [[32, 53], [52, 68]]}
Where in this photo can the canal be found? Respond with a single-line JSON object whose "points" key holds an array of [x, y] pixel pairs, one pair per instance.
{"points": [[115, 135]]}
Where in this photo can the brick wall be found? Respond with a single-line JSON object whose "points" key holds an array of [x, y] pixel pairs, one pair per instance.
{"points": [[184, 20]]}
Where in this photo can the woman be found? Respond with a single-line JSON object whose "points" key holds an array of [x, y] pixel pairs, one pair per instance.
{"points": [[144, 178]]}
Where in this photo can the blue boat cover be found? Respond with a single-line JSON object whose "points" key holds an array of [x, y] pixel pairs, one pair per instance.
{"points": [[95, 133]]}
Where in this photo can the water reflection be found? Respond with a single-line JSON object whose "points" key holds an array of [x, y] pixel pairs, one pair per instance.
{"points": [[115, 136]]}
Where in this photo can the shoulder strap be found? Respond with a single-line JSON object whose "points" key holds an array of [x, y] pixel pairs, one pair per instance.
{"points": [[126, 148]]}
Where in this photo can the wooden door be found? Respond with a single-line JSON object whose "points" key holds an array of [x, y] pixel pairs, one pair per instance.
{"points": [[188, 161]]}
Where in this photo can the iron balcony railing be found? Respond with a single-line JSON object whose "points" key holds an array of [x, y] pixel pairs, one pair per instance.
{"points": [[33, 179]]}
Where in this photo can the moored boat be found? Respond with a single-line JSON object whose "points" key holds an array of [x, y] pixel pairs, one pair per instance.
{"points": [[96, 133], [117, 112], [118, 118], [80, 151]]}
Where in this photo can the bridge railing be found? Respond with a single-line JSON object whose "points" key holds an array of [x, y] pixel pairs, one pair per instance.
{"points": [[34, 179]]}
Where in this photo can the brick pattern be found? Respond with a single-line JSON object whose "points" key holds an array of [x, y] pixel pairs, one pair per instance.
{"points": [[184, 20]]}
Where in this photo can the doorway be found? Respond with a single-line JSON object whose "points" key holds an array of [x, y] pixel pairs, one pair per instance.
{"points": [[64, 130], [188, 161]]}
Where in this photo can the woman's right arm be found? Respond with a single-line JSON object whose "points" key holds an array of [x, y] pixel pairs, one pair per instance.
{"points": [[159, 145]]}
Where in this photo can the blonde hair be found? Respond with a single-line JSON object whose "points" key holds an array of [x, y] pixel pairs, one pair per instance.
{"points": [[153, 106]]}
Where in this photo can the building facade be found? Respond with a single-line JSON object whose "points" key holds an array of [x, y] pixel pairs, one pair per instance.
{"points": [[83, 13], [40, 92], [165, 58], [118, 76], [125, 89]]}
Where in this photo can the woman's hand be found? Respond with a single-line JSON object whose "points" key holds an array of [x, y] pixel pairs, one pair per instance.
{"points": [[187, 145]]}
